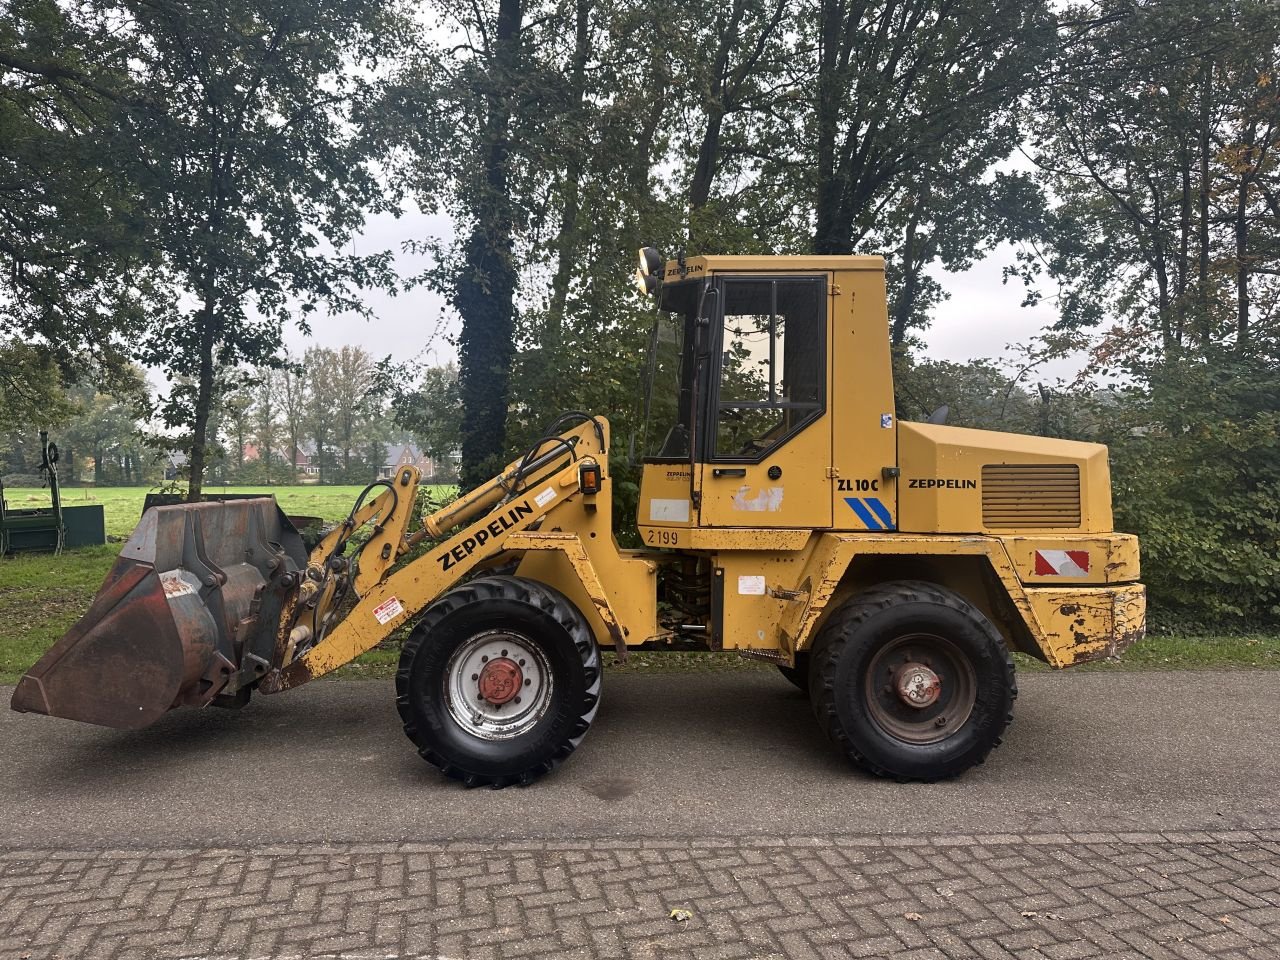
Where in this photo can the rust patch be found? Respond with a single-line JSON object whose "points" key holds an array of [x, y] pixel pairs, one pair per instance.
{"points": [[500, 680]]}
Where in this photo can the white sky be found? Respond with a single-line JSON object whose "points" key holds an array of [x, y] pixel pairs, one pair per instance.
{"points": [[982, 317]]}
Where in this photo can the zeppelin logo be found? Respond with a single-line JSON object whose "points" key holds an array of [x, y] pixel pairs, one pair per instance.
{"points": [[482, 536], [1062, 563], [938, 483]]}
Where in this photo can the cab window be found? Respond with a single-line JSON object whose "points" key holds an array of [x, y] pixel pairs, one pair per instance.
{"points": [[771, 364]]}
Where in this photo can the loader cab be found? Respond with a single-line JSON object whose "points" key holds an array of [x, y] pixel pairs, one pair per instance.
{"points": [[757, 392]]}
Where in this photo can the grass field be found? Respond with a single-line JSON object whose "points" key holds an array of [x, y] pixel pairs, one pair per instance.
{"points": [[121, 506], [41, 596]]}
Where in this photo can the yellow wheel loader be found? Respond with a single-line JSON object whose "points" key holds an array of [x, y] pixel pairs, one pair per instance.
{"points": [[887, 568]]}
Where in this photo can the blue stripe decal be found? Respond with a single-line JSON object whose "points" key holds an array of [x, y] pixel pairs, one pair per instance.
{"points": [[863, 513], [881, 511]]}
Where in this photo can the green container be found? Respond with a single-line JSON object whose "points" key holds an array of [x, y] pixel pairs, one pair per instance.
{"points": [[85, 526]]}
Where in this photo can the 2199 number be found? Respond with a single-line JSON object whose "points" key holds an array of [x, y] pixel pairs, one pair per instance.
{"points": [[662, 538]]}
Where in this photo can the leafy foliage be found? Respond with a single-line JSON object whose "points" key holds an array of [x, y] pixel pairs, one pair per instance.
{"points": [[1196, 472]]}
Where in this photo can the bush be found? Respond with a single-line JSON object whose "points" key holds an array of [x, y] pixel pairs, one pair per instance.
{"points": [[22, 480], [1196, 474]]}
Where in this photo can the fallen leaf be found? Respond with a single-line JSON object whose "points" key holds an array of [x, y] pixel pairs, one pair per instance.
{"points": [[1224, 920], [680, 916], [1030, 913], [913, 917], [946, 892]]}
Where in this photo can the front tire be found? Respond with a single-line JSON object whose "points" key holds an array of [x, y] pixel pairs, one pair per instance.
{"points": [[912, 682], [499, 681]]}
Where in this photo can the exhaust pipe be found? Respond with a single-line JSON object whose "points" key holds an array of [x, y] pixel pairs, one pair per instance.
{"points": [[190, 611]]}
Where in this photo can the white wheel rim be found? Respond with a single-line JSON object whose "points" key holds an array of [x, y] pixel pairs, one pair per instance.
{"points": [[477, 715]]}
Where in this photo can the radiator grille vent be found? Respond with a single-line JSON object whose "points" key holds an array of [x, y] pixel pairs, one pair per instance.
{"points": [[1030, 495]]}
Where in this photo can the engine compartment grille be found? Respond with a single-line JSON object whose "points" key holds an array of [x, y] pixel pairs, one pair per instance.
{"points": [[1030, 495]]}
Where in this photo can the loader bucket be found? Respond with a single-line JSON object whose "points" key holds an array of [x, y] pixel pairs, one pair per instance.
{"points": [[190, 610]]}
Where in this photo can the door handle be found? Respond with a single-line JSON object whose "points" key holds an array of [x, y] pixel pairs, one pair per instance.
{"points": [[729, 471]]}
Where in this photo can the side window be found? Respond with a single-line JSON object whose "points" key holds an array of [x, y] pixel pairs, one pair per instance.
{"points": [[772, 361]]}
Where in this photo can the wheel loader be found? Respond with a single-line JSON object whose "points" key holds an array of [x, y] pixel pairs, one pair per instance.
{"points": [[888, 568]]}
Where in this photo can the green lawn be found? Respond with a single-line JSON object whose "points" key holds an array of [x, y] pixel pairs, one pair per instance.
{"points": [[41, 596], [121, 506]]}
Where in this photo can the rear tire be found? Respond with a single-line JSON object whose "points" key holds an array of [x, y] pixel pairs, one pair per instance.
{"points": [[499, 681], [912, 682]]}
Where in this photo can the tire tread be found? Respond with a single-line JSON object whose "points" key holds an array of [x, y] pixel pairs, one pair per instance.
{"points": [[534, 594], [837, 633]]}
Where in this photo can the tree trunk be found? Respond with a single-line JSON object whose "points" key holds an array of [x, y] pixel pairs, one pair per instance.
{"points": [[567, 241], [905, 301], [1242, 268], [1184, 223], [1184, 250], [704, 174], [204, 404], [1202, 274], [827, 234], [485, 291]]}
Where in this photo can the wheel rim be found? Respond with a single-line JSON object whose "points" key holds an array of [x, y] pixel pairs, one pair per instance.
{"points": [[498, 685], [920, 688]]}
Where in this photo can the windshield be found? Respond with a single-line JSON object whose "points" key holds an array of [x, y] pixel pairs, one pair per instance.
{"points": [[669, 398]]}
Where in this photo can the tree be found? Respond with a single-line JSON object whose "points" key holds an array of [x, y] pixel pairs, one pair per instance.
{"points": [[239, 139], [349, 391], [320, 365], [235, 404], [910, 87], [292, 389], [462, 106], [432, 414], [266, 421], [745, 75], [31, 389], [1161, 149], [1158, 145], [72, 257], [105, 428]]}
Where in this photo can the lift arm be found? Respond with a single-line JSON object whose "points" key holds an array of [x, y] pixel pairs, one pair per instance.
{"points": [[508, 504]]}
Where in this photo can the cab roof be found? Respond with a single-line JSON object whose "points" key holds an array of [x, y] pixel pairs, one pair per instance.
{"points": [[702, 266]]}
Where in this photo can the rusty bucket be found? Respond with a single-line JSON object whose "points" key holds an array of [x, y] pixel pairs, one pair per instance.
{"points": [[189, 612]]}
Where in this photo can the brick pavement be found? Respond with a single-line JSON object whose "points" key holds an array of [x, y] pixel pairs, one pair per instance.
{"points": [[993, 897]]}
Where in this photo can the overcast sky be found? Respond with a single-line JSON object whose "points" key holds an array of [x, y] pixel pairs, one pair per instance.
{"points": [[982, 317]]}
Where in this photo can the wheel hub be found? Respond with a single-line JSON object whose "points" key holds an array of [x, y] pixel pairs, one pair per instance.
{"points": [[500, 680], [917, 686], [498, 684]]}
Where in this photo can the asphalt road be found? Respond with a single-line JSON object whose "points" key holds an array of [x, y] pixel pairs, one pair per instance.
{"points": [[670, 755]]}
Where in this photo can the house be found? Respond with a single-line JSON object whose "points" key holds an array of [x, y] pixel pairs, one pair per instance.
{"points": [[407, 454]]}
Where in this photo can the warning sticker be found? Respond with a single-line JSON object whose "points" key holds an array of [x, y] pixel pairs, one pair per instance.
{"points": [[751, 586], [388, 610], [1062, 563], [545, 497], [174, 585]]}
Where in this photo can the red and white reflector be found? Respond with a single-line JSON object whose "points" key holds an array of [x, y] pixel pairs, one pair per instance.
{"points": [[1062, 563]]}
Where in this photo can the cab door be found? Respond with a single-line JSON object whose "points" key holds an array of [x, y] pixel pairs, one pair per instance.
{"points": [[764, 447]]}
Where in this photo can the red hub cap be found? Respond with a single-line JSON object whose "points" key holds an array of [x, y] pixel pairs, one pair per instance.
{"points": [[917, 685], [500, 680]]}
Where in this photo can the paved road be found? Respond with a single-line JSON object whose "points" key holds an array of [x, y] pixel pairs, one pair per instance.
{"points": [[714, 754], [1126, 815]]}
